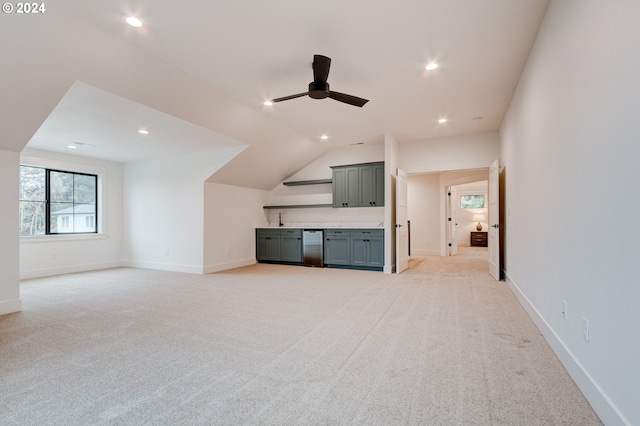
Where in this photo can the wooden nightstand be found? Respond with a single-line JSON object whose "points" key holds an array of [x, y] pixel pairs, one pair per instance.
{"points": [[478, 239]]}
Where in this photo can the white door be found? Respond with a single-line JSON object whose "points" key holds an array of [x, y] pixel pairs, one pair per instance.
{"points": [[494, 221], [453, 221], [402, 228]]}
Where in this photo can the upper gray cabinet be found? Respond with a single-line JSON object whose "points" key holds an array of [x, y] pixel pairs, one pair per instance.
{"points": [[358, 185], [345, 186]]}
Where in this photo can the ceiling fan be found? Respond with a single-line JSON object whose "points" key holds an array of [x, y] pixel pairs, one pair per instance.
{"points": [[319, 88]]}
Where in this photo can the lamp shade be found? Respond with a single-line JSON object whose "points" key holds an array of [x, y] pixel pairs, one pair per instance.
{"points": [[478, 218]]}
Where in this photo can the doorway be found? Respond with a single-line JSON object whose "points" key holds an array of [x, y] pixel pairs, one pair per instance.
{"points": [[427, 195], [467, 214]]}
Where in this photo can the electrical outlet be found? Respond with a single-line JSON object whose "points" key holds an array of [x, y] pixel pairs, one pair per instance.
{"points": [[585, 329], [565, 312], [54, 255], [228, 252], [167, 253]]}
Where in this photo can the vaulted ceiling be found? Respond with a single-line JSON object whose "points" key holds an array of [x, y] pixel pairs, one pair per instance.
{"points": [[232, 56]]}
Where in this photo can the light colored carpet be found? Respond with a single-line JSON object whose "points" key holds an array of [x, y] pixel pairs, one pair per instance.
{"points": [[441, 344]]}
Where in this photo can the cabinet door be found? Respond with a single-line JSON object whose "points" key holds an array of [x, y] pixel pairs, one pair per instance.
{"points": [[371, 185], [262, 250], [365, 176], [376, 252], [378, 184], [291, 245], [359, 251], [345, 186], [268, 244], [337, 248]]}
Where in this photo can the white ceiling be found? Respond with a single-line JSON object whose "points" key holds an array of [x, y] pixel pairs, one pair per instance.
{"points": [[102, 125], [254, 50]]}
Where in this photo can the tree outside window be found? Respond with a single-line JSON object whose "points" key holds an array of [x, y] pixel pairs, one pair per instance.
{"points": [[475, 201]]}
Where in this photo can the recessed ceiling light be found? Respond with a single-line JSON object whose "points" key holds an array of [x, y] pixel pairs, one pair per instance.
{"points": [[133, 21], [324, 137], [72, 147], [476, 119], [432, 66], [143, 132], [267, 103], [442, 120]]}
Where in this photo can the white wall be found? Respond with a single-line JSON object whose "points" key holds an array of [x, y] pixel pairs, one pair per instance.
{"points": [[466, 152], [61, 254], [231, 214], [164, 210], [9, 255], [423, 193], [570, 144]]}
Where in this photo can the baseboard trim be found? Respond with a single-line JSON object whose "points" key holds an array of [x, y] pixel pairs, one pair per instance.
{"points": [[599, 400], [169, 267], [67, 269], [10, 306], [209, 269]]}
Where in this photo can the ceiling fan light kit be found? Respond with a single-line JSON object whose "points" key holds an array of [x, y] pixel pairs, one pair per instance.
{"points": [[319, 88]]}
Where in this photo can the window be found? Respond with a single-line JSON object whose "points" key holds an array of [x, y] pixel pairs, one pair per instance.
{"points": [[57, 202], [475, 201]]}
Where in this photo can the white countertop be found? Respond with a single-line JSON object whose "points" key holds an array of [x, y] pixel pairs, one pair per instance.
{"points": [[328, 225]]}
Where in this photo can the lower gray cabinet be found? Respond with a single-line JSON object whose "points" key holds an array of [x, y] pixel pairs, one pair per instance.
{"points": [[354, 248], [337, 247], [291, 245], [367, 248], [343, 248], [268, 244], [279, 245]]}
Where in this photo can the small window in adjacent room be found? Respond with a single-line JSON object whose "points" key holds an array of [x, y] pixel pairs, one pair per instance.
{"points": [[475, 201], [57, 202]]}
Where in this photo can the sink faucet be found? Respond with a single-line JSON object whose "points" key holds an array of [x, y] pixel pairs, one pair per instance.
{"points": [[280, 219]]}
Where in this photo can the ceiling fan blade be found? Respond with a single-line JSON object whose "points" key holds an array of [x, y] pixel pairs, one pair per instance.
{"points": [[321, 65], [347, 99], [286, 98]]}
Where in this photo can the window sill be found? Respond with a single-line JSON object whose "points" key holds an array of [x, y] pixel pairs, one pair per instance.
{"points": [[58, 238]]}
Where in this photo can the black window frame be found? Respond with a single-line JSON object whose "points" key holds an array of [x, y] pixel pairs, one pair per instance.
{"points": [[47, 200]]}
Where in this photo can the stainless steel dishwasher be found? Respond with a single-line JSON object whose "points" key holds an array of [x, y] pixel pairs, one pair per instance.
{"points": [[312, 249]]}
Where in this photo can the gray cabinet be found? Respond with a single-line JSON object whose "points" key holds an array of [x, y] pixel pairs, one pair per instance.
{"points": [[291, 245], [279, 245], [337, 247], [358, 185], [345, 183], [343, 247], [268, 244], [367, 248], [371, 184], [354, 248]]}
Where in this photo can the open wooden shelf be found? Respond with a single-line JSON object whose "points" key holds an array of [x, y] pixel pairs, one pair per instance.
{"points": [[298, 206], [307, 182]]}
